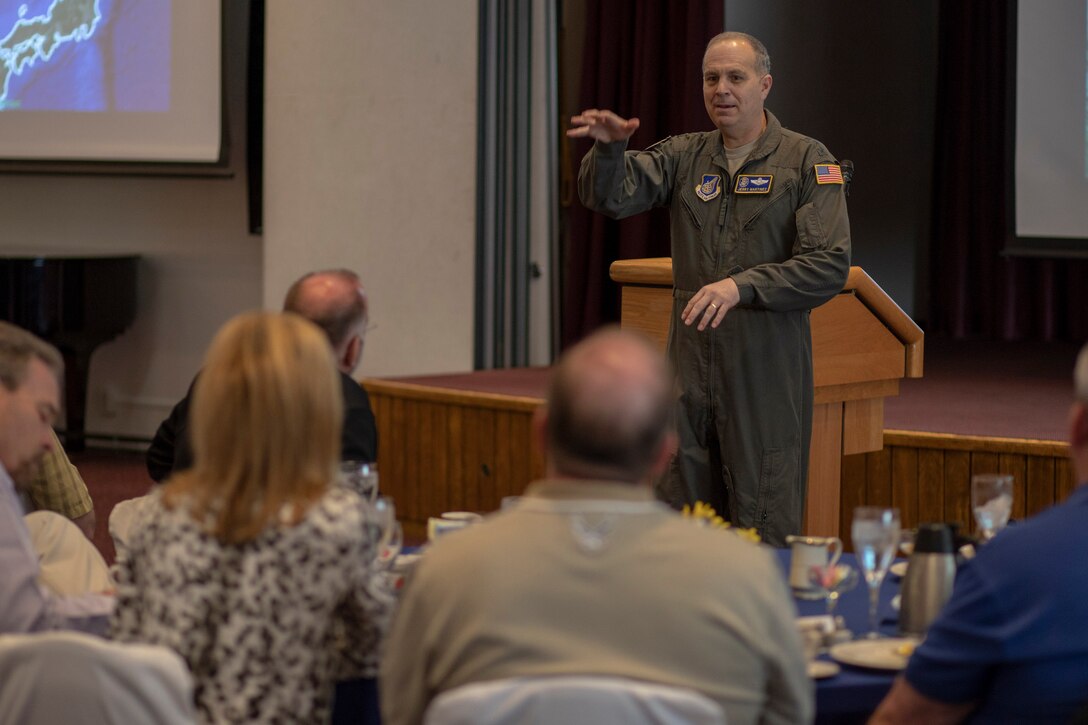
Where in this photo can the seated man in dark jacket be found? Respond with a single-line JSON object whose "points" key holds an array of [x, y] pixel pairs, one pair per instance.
{"points": [[335, 301]]}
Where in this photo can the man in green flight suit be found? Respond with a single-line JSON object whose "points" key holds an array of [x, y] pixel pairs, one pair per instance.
{"points": [[760, 236]]}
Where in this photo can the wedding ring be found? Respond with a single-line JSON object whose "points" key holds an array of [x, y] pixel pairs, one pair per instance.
{"points": [[713, 305]]}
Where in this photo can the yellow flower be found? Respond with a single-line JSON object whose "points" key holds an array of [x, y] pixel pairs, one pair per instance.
{"points": [[705, 515]]}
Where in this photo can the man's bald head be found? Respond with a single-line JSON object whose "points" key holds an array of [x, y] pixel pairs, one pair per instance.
{"points": [[335, 301], [608, 409]]}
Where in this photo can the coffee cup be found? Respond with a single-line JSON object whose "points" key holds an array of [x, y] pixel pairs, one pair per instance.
{"points": [[450, 521], [807, 552]]}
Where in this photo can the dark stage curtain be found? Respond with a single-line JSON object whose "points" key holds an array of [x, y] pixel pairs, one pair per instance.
{"points": [[975, 291], [642, 58]]}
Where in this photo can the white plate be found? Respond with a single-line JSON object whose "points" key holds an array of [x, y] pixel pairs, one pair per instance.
{"points": [[819, 669], [877, 654], [898, 569]]}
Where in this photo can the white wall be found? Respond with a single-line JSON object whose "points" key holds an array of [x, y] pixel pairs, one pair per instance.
{"points": [[199, 265], [370, 163]]}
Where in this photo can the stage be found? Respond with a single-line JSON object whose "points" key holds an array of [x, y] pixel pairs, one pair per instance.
{"points": [[463, 441]]}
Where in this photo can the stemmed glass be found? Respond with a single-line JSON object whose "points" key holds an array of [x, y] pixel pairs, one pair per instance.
{"points": [[875, 533], [361, 477], [392, 545], [380, 523], [833, 581], [991, 502]]}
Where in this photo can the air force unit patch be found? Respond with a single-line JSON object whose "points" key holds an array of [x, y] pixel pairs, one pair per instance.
{"points": [[709, 187], [753, 184]]}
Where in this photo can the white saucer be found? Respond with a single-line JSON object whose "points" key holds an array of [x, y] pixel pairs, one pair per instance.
{"points": [[819, 669], [876, 654], [898, 569]]}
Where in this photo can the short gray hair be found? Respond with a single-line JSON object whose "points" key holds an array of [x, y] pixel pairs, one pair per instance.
{"points": [[763, 58], [17, 347]]}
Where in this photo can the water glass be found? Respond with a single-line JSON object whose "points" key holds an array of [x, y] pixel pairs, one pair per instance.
{"points": [[394, 542], [361, 477], [991, 502], [875, 533], [379, 521]]}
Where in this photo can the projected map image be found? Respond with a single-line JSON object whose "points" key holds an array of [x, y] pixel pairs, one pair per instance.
{"points": [[85, 55]]}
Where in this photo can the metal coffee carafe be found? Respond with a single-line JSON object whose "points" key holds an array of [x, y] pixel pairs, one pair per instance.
{"points": [[931, 572]]}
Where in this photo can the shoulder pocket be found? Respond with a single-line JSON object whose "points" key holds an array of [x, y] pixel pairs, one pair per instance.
{"points": [[810, 229]]}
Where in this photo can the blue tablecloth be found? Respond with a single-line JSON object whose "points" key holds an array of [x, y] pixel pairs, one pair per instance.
{"points": [[853, 694], [848, 697]]}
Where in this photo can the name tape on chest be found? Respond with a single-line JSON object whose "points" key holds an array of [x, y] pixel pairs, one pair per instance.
{"points": [[753, 184], [709, 187], [828, 174]]}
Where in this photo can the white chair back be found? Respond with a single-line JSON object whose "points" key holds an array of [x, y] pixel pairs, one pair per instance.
{"points": [[67, 677], [125, 518], [572, 700]]}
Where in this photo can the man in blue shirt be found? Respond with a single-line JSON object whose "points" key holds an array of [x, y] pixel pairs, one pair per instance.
{"points": [[1011, 645]]}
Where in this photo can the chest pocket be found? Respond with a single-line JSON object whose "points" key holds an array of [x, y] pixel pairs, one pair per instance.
{"points": [[768, 232], [773, 210], [696, 211]]}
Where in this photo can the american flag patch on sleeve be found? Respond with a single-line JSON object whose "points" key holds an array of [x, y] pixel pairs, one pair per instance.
{"points": [[828, 174]]}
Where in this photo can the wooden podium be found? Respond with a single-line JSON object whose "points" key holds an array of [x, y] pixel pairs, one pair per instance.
{"points": [[862, 345]]}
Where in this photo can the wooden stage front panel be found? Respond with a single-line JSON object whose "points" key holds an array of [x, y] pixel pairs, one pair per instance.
{"points": [[449, 448], [444, 449]]}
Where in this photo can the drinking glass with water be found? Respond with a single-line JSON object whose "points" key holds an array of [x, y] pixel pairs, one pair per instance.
{"points": [[991, 502], [875, 533]]}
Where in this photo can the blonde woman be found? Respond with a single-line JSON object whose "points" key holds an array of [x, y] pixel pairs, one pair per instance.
{"points": [[250, 564]]}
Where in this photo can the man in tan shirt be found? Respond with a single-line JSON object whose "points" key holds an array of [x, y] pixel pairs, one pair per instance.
{"points": [[588, 575]]}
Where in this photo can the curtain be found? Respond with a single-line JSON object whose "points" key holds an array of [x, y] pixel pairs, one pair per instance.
{"points": [[642, 58], [975, 291]]}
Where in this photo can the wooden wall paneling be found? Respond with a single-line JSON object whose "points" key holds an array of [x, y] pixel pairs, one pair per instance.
{"points": [[483, 462], [930, 485], [985, 462], [879, 477], [435, 473], [853, 491], [415, 452], [957, 489], [522, 470], [455, 486], [1016, 466], [503, 472], [1039, 484], [905, 485], [393, 446], [1064, 483]]}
